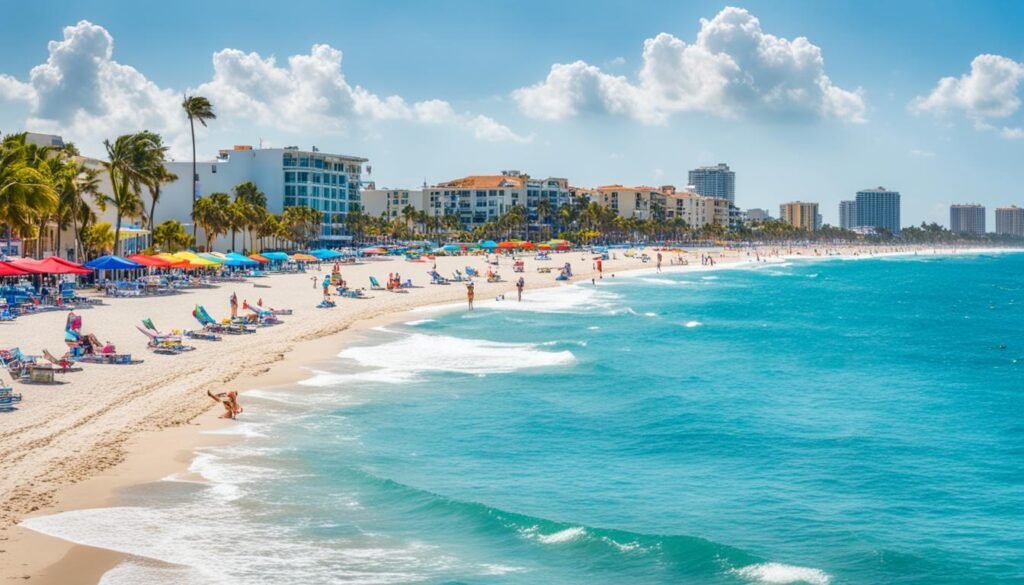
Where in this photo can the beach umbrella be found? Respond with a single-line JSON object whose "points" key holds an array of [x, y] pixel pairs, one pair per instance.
{"points": [[325, 254], [275, 256], [152, 261], [8, 269], [507, 246], [112, 263], [372, 251], [489, 244], [543, 246], [451, 247], [194, 260], [175, 262], [213, 257], [526, 245], [51, 265], [260, 258], [244, 260], [300, 257]]}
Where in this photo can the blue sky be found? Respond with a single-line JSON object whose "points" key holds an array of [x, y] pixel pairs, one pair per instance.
{"points": [[435, 90]]}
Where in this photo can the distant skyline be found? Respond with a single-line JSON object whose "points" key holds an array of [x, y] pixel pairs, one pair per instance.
{"points": [[804, 100]]}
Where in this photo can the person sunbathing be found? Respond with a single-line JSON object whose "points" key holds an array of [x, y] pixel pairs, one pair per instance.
{"points": [[230, 402]]}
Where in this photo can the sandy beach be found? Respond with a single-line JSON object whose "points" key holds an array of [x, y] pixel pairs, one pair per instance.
{"points": [[74, 445]]}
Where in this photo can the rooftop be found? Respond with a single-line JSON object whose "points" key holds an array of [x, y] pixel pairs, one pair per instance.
{"points": [[486, 182]]}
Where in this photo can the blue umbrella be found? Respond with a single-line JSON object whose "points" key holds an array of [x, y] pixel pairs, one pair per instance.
{"points": [[275, 256], [489, 244], [112, 263], [451, 248], [245, 261]]}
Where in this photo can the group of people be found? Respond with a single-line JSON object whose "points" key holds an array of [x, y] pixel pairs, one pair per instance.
{"points": [[471, 292]]}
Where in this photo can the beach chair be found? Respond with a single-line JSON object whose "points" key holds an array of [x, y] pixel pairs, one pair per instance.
{"points": [[264, 317], [436, 278], [470, 271], [519, 266], [65, 363], [326, 304], [8, 398], [374, 284], [164, 344], [458, 277]]}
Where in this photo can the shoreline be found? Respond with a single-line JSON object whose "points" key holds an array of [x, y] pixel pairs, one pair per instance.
{"points": [[152, 454]]}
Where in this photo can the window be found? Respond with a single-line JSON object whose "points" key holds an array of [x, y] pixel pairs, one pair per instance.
{"points": [[289, 177], [213, 169], [316, 177], [303, 177], [302, 191], [289, 190], [318, 163], [304, 162], [289, 161]]}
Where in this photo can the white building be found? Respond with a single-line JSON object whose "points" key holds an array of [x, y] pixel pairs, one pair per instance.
{"points": [[477, 199], [967, 219], [1010, 221], [847, 214], [389, 203], [288, 176]]}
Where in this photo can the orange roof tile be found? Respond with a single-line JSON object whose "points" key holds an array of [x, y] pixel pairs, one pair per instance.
{"points": [[485, 182]]}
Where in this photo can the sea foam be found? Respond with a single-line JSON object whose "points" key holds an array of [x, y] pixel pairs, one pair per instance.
{"points": [[778, 573]]}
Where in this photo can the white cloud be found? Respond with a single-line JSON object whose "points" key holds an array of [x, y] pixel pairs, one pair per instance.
{"points": [[82, 93], [732, 69], [989, 91]]}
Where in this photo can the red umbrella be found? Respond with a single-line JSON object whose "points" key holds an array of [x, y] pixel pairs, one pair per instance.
{"points": [[153, 261], [51, 265], [8, 269]]}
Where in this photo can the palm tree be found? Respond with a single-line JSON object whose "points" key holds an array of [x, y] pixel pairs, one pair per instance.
{"points": [[97, 238], [302, 224], [199, 108], [251, 207], [171, 236], [213, 214], [24, 190], [129, 166], [156, 173]]}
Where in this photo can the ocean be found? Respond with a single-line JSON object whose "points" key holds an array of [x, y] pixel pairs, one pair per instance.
{"points": [[808, 421]]}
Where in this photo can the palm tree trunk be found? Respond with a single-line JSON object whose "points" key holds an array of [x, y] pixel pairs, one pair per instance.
{"points": [[195, 174]]}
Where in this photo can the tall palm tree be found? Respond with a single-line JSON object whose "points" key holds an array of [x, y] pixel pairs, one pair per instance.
{"points": [[155, 171], [198, 108], [251, 208], [213, 214], [128, 165]]}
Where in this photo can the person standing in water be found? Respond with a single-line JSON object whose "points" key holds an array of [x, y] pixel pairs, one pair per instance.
{"points": [[230, 402], [469, 295], [659, 261], [519, 287]]}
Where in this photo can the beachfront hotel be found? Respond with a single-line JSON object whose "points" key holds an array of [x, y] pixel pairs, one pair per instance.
{"points": [[289, 177], [477, 199], [715, 181], [801, 214], [390, 203], [967, 219], [1010, 221], [878, 208], [847, 214]]}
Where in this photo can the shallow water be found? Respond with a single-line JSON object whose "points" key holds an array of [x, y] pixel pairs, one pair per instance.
{"points": [[806, 422]]}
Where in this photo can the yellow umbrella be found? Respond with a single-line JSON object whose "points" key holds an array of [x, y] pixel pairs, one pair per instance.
{"points": [[304, 257], [194, 259]]}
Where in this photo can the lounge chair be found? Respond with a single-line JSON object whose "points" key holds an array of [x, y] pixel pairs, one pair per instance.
{"points": [[470, 271], [8, 398], [374, 285], [65, 363], [164, 344], [264, 317], [326, 304], [436, 278]]}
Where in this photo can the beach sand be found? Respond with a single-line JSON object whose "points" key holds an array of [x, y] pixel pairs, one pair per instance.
{"points": [[75, 445]]}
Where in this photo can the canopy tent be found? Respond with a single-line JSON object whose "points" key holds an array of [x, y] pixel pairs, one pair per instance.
{"points": [[194, 259], [373, 251], [51, 265], [451, 247], [300, 257], [112, 263], [489, 244], [245, 260], [8, 269], [259, 258], [275, 256], [325, 254]]}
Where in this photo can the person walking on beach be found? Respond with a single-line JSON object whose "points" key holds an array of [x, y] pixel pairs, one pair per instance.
{"points": [[659, 261], [313, 280], [234, 305], [519, 287], [230, 402], [326, 285], [469, 295]]}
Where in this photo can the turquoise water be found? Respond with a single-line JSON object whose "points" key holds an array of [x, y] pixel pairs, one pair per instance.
{"points": [[805, 422]]}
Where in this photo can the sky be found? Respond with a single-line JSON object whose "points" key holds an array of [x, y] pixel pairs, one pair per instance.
{"points": [[805, 100]]}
